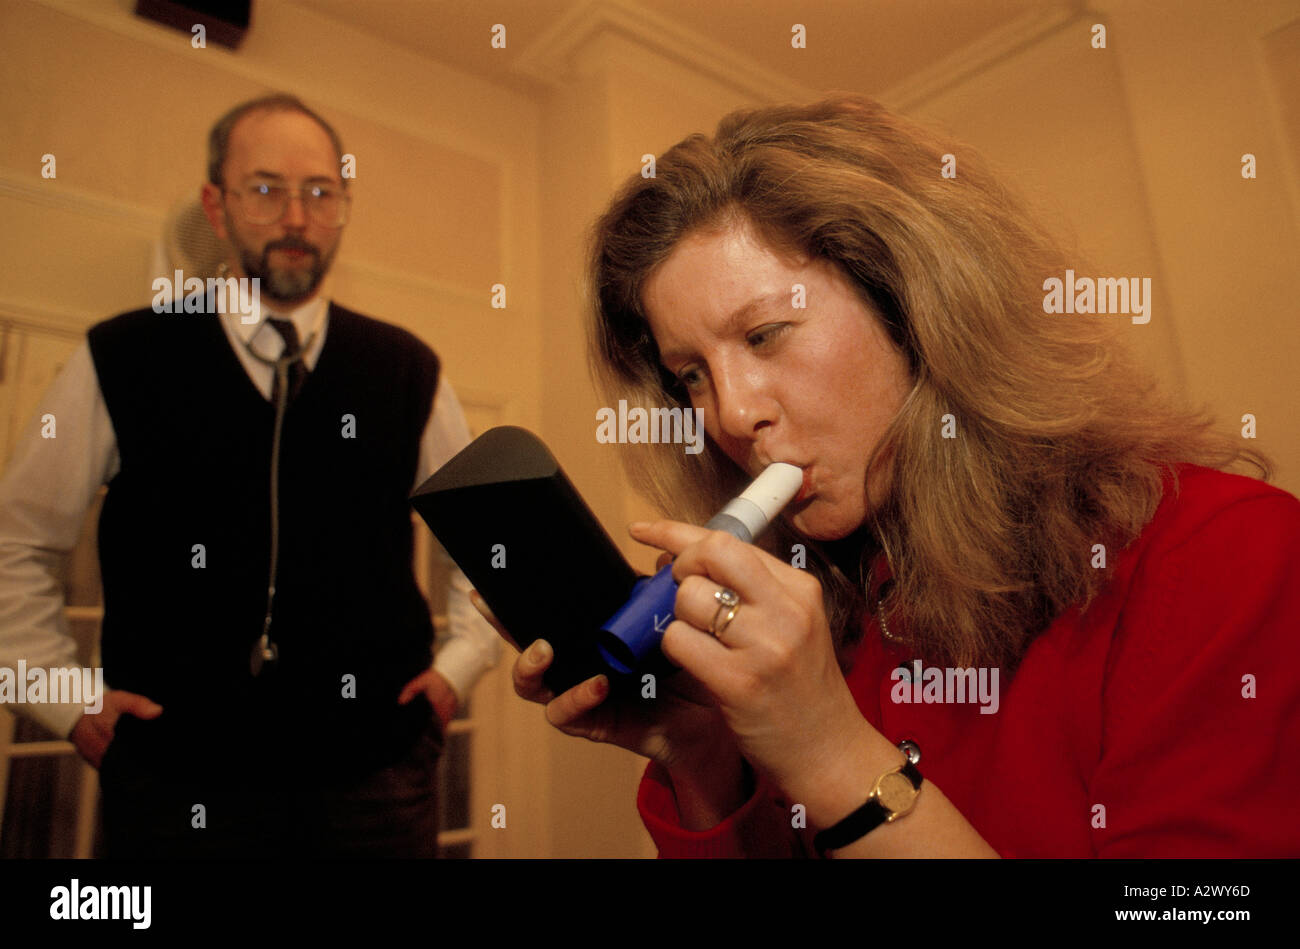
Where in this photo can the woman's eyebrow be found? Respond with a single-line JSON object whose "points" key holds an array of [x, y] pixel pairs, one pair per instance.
{"points": [[734, 323], [744, 313]]}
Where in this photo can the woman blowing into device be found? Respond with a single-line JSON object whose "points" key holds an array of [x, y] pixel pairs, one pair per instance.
{"points": [[1103, 623]]}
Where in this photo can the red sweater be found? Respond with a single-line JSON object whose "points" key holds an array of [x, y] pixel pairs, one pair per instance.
{"points": [[1165, 722]]}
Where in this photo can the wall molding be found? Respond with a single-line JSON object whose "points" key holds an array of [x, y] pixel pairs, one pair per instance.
{"points": [[136, 218], [990, 50], [495, 407], [42, 318], [551, 59], [438, 290], [1270, 84]]}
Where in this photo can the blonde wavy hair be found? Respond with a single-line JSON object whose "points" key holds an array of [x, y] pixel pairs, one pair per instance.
{"points": [[1062, 442]]}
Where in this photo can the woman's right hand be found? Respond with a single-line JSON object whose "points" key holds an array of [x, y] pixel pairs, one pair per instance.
{"points": [[679, 728]]}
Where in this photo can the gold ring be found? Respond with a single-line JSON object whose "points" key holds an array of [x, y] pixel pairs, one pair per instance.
{"points": [[727, 600]]}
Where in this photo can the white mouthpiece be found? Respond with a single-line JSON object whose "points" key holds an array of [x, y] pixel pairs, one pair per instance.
{"points": [[748, 515], [774, 488]]}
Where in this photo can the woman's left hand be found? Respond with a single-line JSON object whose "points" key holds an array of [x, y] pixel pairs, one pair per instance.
{"points": [[772, 670]]}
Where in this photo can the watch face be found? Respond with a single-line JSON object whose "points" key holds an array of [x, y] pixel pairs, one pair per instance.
{"points": [[896, 792]]}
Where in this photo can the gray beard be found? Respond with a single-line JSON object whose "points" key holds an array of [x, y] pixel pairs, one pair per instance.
{"points": [[282, 284]]}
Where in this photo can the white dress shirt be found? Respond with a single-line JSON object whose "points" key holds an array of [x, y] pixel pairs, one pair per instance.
{"points": [[50, 482]]}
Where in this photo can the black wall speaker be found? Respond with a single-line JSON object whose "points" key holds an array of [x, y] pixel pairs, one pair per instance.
{"points": [[224, 21]]}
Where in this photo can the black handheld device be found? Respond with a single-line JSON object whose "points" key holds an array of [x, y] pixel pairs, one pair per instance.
{"points": [[513, 522]]}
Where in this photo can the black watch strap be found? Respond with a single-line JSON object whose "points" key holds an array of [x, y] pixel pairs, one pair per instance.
{"points": [[862, 821]]}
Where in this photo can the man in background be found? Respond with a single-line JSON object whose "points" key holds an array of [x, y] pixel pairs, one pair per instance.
{"points": [[266, 649]]}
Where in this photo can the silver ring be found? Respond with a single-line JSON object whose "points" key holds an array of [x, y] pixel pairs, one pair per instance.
{"points": [[728, 600]]}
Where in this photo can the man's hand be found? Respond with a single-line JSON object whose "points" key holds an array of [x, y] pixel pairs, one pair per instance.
{"points": [[436, 689], [94, 732]]}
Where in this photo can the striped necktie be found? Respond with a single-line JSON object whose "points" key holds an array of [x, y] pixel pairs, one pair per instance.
{"points": [[297, 368]]}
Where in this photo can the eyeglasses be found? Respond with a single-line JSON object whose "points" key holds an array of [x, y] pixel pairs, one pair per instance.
{"points": [[265, 203]]}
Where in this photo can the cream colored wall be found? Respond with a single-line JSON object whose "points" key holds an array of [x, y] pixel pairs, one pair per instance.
{"points": [[618, 100], [1052, 119], [1135, 151], [1201, 94], [593, 786]]}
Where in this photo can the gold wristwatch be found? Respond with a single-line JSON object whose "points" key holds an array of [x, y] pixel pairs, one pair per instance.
{"points": [[892, 796]]}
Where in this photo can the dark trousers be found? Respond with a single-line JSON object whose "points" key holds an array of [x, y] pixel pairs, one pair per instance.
{"points": [[393, 812]]}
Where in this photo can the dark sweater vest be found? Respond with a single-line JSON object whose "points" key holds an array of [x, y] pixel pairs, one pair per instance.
{"points": [[195, 437]]}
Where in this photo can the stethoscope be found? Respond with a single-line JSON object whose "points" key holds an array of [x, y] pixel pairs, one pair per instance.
{"points": [[266, 653]]}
